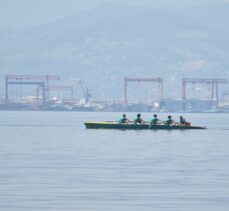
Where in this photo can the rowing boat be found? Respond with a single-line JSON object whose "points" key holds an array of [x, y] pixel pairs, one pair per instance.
{"points": [[131, 126]]}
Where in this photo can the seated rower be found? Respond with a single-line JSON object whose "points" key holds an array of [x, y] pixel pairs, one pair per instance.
{"points": [[155, 120], [182, 120], [124, 119], [139, 120], [169, 121]]}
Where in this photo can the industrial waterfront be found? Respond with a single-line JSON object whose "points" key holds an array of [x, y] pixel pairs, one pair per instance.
{"points": [[114, 105], [47, 94]]}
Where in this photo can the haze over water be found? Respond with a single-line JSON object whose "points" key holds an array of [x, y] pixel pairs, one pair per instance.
{"points": [[49, 161]]}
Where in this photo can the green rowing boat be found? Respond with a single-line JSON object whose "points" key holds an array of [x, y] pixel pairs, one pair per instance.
{"points": [[116, 125]]}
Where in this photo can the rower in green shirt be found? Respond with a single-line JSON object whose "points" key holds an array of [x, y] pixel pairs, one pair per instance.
{"points": [[124, 119], [138, 120], [155, 120], [169, 121]]}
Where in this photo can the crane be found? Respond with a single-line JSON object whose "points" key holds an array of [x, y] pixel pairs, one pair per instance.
{"points": [[28, 80], [152, 80], [86, 93], [213, 81]]}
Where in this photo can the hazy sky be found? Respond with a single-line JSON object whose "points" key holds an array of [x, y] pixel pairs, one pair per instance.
{"points": [[25, 13]]}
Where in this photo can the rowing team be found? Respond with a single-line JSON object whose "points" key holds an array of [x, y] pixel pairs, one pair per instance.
{"points": [[155, 120]]}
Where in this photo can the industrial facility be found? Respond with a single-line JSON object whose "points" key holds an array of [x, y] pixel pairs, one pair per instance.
{"points": [[48, 94], [41, 96]]}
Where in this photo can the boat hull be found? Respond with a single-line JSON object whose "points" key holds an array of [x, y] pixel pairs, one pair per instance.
{"points": [[114, 125]]}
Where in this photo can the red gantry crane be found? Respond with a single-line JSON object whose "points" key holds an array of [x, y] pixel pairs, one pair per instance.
{"points": [[41, 81], [151, 80], [214, 82]]}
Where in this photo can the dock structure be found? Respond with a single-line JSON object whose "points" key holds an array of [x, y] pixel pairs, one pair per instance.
{"points": [[41, 81], [151, 80], [214, 82]]}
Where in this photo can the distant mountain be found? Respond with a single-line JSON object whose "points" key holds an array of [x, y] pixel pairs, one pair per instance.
{"points": [[213, 15], [103, 45]]}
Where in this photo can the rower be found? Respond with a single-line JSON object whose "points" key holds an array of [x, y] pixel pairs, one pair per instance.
{"points": [[138, 120], [169, 121], [124, 119], [155, 120], [182, 120]]}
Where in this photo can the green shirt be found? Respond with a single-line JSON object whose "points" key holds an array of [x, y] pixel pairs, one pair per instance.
{"points": [[154, 121], [169, 122], [138, 120], [123, 120]]}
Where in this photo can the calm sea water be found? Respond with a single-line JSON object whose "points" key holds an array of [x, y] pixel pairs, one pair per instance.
{"points": [[49, 161]]}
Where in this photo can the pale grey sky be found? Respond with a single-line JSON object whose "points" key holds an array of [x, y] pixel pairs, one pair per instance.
{"points": [[26, 13]]}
